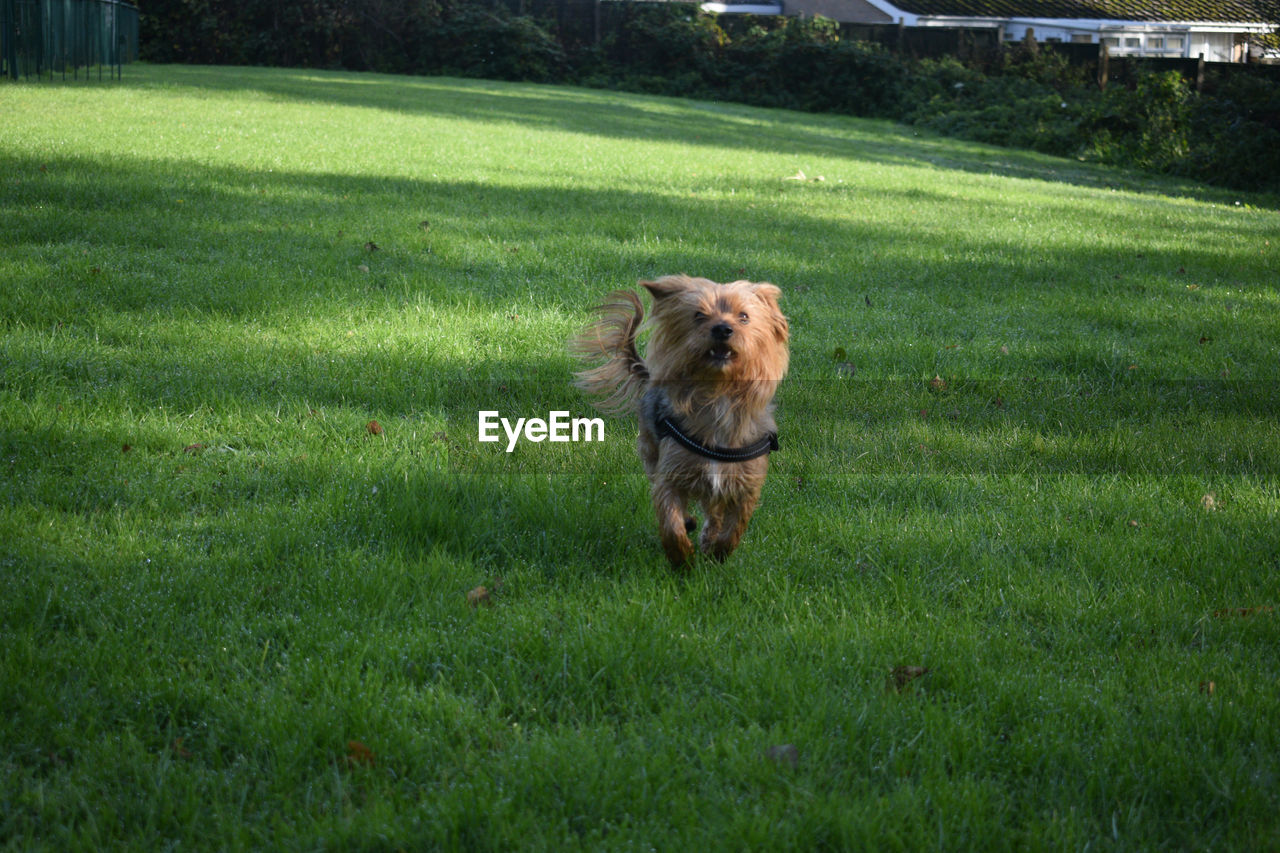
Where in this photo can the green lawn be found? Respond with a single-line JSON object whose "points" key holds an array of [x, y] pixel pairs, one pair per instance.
{"points": [[1029, 442]]}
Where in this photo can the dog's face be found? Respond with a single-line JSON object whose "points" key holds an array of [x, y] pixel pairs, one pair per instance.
{"points": [[705, 330]]}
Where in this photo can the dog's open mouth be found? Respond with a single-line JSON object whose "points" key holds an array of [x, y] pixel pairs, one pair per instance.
{"points": [[721, 354]]}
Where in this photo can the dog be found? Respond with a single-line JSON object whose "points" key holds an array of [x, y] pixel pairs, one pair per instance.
{"points": [[702, 393]]}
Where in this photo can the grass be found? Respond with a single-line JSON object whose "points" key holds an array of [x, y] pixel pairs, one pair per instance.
{"points": [[1029, 442]]}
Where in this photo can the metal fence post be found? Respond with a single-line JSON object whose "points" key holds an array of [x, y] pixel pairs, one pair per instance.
{"points": [[8, 55]]}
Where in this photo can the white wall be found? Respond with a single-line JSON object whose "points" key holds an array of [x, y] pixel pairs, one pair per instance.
{"points": [[1216, 47]]}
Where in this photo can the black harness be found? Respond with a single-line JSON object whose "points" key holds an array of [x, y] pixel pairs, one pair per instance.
{"points": [[666, 427], [655, 409]]}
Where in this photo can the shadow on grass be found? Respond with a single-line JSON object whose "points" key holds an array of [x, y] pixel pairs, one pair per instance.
{"points": [[222, 239]]}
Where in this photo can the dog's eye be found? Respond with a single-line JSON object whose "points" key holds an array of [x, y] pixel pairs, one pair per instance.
{"points": [[743, 318], [698, 316]]}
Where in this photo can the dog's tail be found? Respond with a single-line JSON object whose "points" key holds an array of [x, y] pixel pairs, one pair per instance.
{"points": [[621, 379]]}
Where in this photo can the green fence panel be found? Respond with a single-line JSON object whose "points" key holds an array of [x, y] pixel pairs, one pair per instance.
{"points": [[42, 38]]}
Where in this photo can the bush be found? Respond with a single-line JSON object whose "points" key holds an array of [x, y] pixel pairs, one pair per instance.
{"points": [[311, 33], [1230, 137], [473, 42], [1044, 66], [1004, 110], [657, 48], [802, 63], [1144, 127], [1235, 134]]}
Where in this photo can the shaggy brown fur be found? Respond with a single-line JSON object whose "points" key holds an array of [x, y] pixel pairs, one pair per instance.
{"points": [[715, 355]]}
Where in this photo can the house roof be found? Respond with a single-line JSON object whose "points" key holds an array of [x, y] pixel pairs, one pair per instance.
{"points": [[1124, 10]]}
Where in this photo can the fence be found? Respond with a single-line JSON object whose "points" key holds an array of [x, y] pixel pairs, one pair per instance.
{"points": [[47, 37]]}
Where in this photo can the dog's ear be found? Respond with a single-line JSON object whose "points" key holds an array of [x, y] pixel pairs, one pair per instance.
{"points": [[666, 286], [769, 295]]}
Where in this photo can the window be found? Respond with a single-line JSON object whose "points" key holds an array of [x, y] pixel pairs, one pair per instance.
{"points": [[1111, 41], [1133, 41], [1084, 38], [1173, 43], [1155, 43]]}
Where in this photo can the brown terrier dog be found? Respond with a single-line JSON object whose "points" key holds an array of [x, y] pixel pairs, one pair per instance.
{"points": [[703, 394]]}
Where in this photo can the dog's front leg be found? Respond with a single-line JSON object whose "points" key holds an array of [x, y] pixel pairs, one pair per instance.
{"points": [[726, 523], [669, 505]]}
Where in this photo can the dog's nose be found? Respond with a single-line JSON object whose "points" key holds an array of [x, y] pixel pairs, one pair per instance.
{"points": [[721, 331]]}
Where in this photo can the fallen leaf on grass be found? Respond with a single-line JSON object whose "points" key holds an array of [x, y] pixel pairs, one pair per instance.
{"points": [[1243, 612], [937, 383], [903, 675], [193, 449], [374, 428], [485, 593], [784, 754], [801, 176], [178, 749], [1206, 687], [126, 448], [358, 754], [1209, 502]]}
